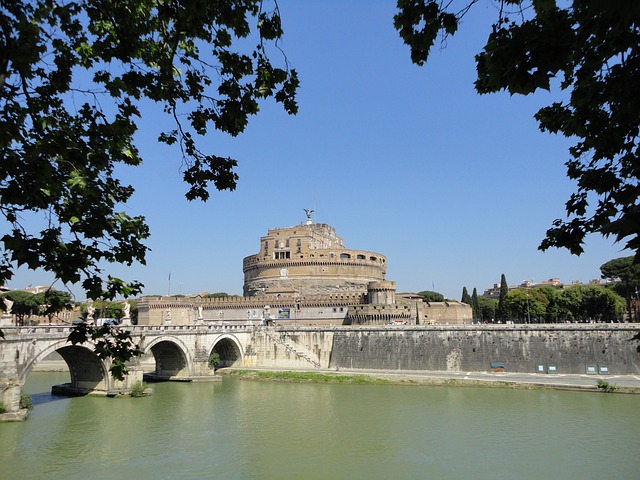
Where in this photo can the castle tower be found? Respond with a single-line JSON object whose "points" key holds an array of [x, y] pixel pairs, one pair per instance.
{"points": [[309, 259], [381, 293]]}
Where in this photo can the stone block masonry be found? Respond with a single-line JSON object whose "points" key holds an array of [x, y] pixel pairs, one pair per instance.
{"points": [[520, 348]]}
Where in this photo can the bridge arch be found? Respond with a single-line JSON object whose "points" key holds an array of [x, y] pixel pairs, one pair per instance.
{"points": [[228, 347], [170, 355], [87, 371]]}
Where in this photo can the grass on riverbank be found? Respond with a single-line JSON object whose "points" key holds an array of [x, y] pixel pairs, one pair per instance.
{"points": [[395, 379], [362, 379], [306, 377]]}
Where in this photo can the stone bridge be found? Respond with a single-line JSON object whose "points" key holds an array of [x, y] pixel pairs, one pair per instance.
{"points": [[179, 352]]}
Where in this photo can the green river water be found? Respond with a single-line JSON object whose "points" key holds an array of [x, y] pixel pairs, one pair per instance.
{"points": [[252, 430]]}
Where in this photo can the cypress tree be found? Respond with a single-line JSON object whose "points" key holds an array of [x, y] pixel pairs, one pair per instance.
{"points": [[465, 296], [501, 313], [475, 307]]}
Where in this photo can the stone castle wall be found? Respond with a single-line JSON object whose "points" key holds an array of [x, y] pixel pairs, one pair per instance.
{"points": [[315, 310], [311, 277], [336, 309], [309, 260], [444, 313]]}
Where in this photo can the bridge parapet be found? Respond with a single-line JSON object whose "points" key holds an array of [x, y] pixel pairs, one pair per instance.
{"points": [[177, 328]]}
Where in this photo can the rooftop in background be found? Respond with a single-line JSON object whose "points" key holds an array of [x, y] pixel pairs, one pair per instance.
{"points": [[494, 292]]}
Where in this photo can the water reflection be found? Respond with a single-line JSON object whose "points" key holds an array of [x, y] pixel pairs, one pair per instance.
{"points": [[246, 430], [44, 397]]}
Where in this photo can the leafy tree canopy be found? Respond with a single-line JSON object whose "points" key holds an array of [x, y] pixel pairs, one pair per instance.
{"points": [[429, 296], [526, 304], [590, 302], [487, 308], [216, 295], [590, 50], [24, 304], [73, 78], [104, 309], [623, 269], [53, 301], [626, 272], [575, 303]]}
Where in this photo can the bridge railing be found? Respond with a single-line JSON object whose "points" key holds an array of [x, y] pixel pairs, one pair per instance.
{"points": [[59, 329], [37, 329], [66, 329], [190, 328]]}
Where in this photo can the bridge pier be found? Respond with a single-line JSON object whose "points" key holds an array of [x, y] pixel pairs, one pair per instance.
{"points": [[108, 386], [10, 393], [202, 372]]}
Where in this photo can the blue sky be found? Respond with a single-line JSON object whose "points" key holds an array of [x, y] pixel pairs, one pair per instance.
{"points": [[454, 188]]}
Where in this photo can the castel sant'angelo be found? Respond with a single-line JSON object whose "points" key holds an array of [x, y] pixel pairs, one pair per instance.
{"points": [[304, 275]]}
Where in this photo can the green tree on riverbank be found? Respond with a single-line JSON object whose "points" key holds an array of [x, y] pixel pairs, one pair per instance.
{"points": [[502, 313], [577, 303], [526, 304], [625, 275], [475, 306], [488, 308], [465, 298]]}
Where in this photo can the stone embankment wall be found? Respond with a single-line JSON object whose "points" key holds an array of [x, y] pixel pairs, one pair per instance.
{"points": [[520, 348], [298, 348]]}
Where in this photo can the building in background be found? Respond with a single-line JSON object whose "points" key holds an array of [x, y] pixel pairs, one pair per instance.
{"points": [[305, 275]]}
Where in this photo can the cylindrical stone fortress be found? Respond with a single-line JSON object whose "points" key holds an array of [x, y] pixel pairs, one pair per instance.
{"points": [[309, 260]]}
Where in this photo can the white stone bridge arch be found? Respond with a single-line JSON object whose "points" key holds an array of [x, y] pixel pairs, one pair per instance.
{"points": [[181, 352]]}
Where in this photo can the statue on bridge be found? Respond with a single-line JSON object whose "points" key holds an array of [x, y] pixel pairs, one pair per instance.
{"points": [[6, 314], [8, 305]]}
